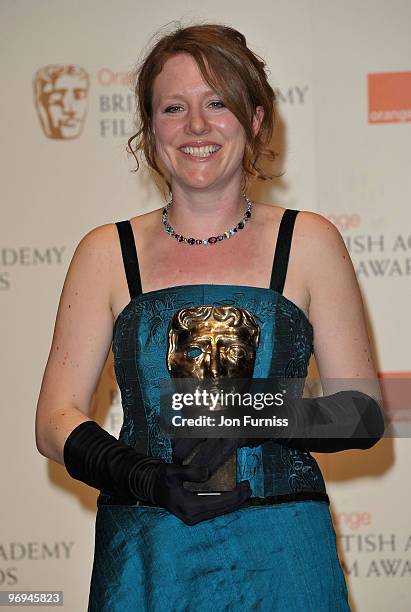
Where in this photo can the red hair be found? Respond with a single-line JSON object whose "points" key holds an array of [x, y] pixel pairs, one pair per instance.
{"points": [[231, 69]]}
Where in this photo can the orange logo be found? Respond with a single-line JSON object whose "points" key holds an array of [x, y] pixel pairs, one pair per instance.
{"points": [[389, 97], [60, 98]]}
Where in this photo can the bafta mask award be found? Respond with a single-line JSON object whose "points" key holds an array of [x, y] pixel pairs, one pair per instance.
{"points": [[60, 98], [214, 345]]}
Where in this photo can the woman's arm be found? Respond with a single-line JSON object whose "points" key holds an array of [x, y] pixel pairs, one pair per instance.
{"points": [[341, 344], [350, 414], [64, 431], [80, 345]]}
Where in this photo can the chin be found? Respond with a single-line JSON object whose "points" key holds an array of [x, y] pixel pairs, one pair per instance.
{"points": [[198, 182]]}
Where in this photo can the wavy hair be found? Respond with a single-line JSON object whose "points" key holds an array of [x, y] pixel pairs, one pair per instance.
{"points": [[231, 69]]}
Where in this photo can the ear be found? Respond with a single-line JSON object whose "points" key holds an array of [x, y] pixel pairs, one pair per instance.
{"points": [[258, 119]]}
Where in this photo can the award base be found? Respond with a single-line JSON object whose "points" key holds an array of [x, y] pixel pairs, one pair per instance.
{"points": [[223, 479]]}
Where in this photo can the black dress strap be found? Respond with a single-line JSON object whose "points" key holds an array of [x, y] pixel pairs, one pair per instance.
{"points": [[130, 260], [282, 250]]}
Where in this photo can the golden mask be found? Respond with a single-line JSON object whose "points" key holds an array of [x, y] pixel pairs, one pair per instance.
{"points": [[211, 343]]}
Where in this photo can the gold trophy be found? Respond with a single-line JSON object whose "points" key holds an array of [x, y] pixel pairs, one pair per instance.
{"points": [[213, 344]]}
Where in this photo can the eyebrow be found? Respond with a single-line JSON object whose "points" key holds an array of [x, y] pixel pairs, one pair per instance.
{"points": [[179, 96]]}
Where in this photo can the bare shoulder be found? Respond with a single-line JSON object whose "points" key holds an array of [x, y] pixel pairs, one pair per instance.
{"points": [[307, 222], [96, 255], [103, 241], [309, 225], [312, 234], [319, 257], [95, 250], [99, 238], [320, 242], [90, 271], [327, 267], [316, 225]]}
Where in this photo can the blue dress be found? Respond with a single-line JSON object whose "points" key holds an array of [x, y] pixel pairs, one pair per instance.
{"points": [[277, 553]]}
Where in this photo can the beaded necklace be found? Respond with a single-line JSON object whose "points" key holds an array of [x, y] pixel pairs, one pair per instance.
{"points": [[212, 239]]}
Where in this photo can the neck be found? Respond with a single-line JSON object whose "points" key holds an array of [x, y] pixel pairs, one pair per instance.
{"points": [[206, 213]]}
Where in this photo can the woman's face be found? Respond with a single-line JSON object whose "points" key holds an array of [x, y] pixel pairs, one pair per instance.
{"points": [[199, 142]]}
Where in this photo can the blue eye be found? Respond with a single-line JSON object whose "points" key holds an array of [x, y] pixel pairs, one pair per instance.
{"points": [[176, 107], [193, 352], [218, 104], [172, 109]]}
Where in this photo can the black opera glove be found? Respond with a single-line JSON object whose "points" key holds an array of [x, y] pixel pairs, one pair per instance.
{"points": [[182, 447], [96, 458], [212, 452], [348, 419], [341, 421]]}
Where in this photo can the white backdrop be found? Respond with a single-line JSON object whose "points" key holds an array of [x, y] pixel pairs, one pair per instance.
{"points": [[331, 64]]}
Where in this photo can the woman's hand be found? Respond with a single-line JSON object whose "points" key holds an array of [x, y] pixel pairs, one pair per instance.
{"points": [[169, 493], [95, 457], [182, 447], [212, 452]]}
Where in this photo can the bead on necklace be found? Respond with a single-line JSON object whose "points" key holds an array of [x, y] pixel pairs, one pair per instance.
{"points": [[212, 239]]}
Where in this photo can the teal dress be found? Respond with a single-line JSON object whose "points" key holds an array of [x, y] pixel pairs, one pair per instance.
{"points": [[276, 553]]}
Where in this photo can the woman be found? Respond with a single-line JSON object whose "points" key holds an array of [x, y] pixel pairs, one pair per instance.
{"points": [[206, 119]]}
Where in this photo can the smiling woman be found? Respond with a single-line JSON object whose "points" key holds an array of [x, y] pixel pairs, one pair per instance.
{"points": [[223, 75], [244, 290], [184, 148]]}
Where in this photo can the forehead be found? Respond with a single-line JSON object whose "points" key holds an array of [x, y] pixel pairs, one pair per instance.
{"points": [[180, 74], [212, 327]]}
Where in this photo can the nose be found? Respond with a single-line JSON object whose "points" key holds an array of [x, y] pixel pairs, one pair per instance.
{"points": [[197, 122], [214, 364], [68, 102]]}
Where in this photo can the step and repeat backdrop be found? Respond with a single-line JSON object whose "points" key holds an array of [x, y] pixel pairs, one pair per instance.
{"points": [[342, 74]]}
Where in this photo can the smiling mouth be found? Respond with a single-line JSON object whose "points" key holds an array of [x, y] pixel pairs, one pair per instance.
{"points": [[205, 151]]}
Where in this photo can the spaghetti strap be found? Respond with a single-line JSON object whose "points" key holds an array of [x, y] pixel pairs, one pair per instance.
{"points": [[282, 250], [130, 260]]}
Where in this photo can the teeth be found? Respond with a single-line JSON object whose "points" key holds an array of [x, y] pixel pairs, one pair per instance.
{"points": [[201, 151]]}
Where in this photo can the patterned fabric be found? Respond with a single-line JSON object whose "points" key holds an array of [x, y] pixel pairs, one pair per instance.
{"points": [[140, 349], [266, 557]]}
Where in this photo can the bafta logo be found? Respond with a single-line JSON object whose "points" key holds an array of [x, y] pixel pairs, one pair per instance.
{"points": [[213, 344], [60, 98]]}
